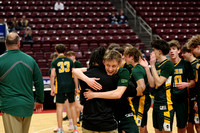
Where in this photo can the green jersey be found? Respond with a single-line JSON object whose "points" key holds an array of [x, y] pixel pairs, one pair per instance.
{"points": [[162, 94], [128, 67], [193, 91], [64, 81], [124, 77], [182, 73], [18, 72], [197, 78], [77, 64], [138, 72]]}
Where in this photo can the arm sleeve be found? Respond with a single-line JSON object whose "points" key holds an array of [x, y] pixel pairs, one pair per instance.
{"points": [[124, 77], [138, 73], [167, 70], [38, 83]]}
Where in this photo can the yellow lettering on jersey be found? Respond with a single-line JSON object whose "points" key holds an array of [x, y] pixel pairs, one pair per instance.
{"points": [[178, 71], [177, 79], [64, 66]]}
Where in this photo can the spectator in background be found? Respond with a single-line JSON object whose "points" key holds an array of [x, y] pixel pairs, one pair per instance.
{"points": [[24, 22], [14, 25], [122, 18], [28, 36], [18, 73], [113, 18], [59, 6]]}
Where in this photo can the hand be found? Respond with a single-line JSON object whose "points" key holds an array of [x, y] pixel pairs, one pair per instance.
{"points": [[182, 85], [76, 91], [52, 91], [93, 84], [196, 107], [38, 107], [89, 94], [140, 91], [143, 62], [152, 58]]}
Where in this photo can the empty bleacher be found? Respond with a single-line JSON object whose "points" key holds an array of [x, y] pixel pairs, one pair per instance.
{"points": [[172, 19], [82, 26]]}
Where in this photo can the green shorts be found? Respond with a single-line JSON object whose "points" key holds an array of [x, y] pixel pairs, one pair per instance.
{"points": [[141, 106], [62, 97], [191, 111], [163, 120], [181, 109], [128, 124]]}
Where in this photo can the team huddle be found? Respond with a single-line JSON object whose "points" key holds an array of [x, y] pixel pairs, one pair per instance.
{"points": [[117, 87]]}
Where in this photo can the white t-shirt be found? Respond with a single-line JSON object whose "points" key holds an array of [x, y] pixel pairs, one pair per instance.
{"points": [[58, 6]]}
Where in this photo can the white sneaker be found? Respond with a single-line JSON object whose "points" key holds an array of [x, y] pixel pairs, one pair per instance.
{"points": [[55, 129], [71, 126]]}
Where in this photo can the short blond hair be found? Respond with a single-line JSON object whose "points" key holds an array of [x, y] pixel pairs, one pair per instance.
{"points": [[174, 43], [193, 42], [112, 55], [70, 53]]}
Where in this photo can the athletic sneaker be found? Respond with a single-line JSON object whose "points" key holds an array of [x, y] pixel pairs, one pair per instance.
{"points": [[78, 124], [75, 131], [65, 118], [56, 129], [60, 131], [71, 126]]}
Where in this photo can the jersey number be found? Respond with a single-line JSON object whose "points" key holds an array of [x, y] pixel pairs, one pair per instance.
{"points": [[177, 79], [64, 66]]}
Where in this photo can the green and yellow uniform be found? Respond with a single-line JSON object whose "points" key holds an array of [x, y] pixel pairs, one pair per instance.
{"points": [[64, 83], [124, 106], [77, 64], [193, 95], [182, 73], [162, 109], [197, 85], [141, 103], [18, 72]]}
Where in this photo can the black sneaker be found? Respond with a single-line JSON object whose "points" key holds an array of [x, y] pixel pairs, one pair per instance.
{"points": [[65, 118]]}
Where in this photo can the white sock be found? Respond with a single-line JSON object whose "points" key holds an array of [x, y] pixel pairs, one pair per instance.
{"points": [[77, 119], [70, 121]]}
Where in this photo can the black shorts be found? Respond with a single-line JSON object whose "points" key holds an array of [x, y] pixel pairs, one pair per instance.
{"points": [[191, 111], [163, 120], [181, 109], [128, 124], [141, 106], [62, 97]]}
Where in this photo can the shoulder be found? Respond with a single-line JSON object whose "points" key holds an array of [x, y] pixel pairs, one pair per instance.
{"points": [[122, 71], [169, 63]]}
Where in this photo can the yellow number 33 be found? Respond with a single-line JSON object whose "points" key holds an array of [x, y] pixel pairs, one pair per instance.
{"points": [[64, 66]]}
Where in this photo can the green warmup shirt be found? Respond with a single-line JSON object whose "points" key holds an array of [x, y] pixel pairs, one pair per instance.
{"points": [[193, 91], [64, 81], [18, 72], [162, 94], [182, 73], [138, 72], [77, 64]]}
